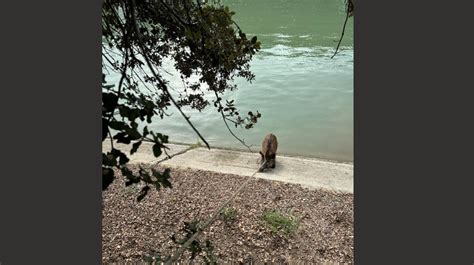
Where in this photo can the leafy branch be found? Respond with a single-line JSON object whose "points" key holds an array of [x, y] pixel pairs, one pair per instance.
{"points": [[201, 40]]}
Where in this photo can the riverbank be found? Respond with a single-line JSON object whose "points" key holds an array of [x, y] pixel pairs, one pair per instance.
{"points": [[133, 231], [309, 172]]}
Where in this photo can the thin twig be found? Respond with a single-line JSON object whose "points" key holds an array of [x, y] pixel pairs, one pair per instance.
{"points": [[124, 74], [108, 60], [176, 154], [167, 155], [235, 136], [174, 14], [234, 122], [224, 118], [117, 17], [134, 73], [111, 139], [343, 30]]}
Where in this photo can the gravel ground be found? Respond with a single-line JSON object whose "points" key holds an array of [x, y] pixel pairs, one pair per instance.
{"points": [[133, 230]]}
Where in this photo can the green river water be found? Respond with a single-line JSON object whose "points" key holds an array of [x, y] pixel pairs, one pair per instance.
{"points": [[305, 97]]}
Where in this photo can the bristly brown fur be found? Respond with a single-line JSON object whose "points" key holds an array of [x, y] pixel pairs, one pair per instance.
{"points": [[268, 152]]}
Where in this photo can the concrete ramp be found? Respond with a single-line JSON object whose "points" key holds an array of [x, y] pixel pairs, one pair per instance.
{"points": [[309, 172]]}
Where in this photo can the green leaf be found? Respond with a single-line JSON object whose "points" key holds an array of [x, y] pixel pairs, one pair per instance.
{"points": [[133, 133], [108, 87], [189, 33], [110, 101], [163, 138], [155, 137], [131, 179], [197, 35], [117, 125], [143, 193], [123, 159], [134, 114], [105, 129], [124, 111], [157, 150], [162, 177], [148, 259], [135, 147], [121, 137], [109, 160], [107, 177]]}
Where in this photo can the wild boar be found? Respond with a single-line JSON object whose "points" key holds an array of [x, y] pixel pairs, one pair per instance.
{"points": [[268, 152]]}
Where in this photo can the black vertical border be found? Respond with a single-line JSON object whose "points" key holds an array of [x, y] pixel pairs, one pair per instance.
{"points": [[414, 137], [50, 191]]}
